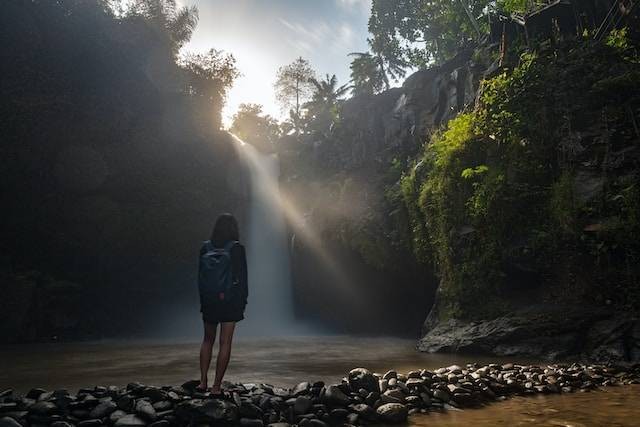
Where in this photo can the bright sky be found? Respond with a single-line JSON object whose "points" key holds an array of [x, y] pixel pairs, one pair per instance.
{"points": [[266, 34]]}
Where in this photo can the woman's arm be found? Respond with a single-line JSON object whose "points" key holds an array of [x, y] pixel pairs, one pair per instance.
{"points": [[239, 260]]}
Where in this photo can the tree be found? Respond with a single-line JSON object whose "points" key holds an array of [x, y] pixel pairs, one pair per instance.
{"points": [[208, 77], [322, 110], [367, 77], [252, 126], [421, 32], [326, 93], [178, 23], [293, 86]]}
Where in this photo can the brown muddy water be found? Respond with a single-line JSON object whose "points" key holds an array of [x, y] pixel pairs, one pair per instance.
{"points": [[287, 361]]}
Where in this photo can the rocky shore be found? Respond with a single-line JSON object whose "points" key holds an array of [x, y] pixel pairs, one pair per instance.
{"points": [[360, 398]]}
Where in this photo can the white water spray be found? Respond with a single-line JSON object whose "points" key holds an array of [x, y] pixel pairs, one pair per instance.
{"points": [[270, 307]]}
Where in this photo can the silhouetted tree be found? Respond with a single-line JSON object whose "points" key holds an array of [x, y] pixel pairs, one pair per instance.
{"points": [[293, 87], [251, 125], [367, 75], [322, 110]]}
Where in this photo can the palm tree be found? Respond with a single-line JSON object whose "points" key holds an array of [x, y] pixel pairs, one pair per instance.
{"points": [[326, 93], [386, 55], [322, 110], [367, 76]]}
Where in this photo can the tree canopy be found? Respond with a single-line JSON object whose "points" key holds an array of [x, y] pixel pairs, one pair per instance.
{"points": [[293, 87]]}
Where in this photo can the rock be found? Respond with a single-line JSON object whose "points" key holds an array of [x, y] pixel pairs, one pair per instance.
{"points": [[334, 396], [364, 411], [442, 395], [34, 393], [116, 415], [9, 422], [390, 374], [301, 405], [248, 422], [90, 423], [362, 378], [145, 410], [161, 423], [130, 421], [249, 410], [43, 408], [338, 415], [61, 424], [395, 393], [103, 410], [301, 388], [219, 410], [162, 405], [279, 425], [317, 423], [393, 412], [125, 403]]}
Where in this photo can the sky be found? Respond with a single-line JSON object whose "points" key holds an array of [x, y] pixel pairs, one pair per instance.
{"points": [[266, 34]]}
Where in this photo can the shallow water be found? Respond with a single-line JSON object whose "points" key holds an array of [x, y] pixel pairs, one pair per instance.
{"points": [[287, 361]]}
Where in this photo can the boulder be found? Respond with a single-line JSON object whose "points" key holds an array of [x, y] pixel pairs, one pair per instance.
{"points": [[393, 412], [362, 378]]}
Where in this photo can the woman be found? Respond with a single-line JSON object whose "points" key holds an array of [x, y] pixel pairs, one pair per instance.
{"points": [[229, 308]]}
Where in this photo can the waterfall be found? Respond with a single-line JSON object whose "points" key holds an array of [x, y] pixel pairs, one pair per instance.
{"points": [[270, 304]]}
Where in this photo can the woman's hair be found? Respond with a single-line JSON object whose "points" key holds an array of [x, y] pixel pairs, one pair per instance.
{"points": [[225, 230]]}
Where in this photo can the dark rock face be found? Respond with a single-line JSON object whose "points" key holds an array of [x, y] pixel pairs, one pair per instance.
{"points": [[340, 179], [559, 333], [256, 405]]}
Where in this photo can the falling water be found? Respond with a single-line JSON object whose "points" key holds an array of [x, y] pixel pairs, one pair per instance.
{"points": [[270, 307]]}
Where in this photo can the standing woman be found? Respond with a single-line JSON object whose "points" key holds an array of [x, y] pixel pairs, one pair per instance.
{"points": [[223, 295]]}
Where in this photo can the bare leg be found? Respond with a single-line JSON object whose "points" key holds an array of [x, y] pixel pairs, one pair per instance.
{"points": [[224, 353], [205, 352]]}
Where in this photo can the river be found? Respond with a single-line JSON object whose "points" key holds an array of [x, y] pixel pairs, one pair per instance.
{"points": [[287, 361]]}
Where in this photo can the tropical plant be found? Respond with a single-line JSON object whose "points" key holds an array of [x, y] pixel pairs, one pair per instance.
{"points": [[367, 77]]}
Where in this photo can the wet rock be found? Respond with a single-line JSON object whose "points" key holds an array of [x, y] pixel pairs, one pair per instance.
{"points": [[442, 395], [393, 412], [90, 423], [248, 422], [301, 405], [317, 423], [361, 378], [125, 403], [145, 410], [43, 408], [364, 411], [34, 393], [116, 415], [334, 396], [162, 405], [9, 422], [130, 421], [103, 410], [301, 388]]}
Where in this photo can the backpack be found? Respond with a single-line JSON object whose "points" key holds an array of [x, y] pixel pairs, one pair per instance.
{"points": [[215, 276]]}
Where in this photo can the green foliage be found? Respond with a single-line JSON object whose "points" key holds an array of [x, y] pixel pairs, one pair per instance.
{"points": [[498, 188], [367, 74], [415, 32], [252, 126]]}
